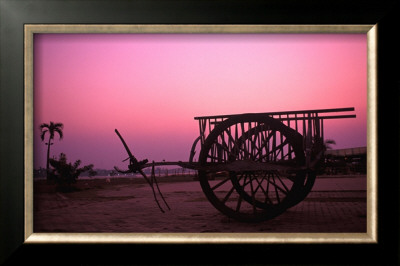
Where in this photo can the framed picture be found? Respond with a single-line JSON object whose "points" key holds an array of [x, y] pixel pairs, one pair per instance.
{"points": [[84, 81], [129, 131]]}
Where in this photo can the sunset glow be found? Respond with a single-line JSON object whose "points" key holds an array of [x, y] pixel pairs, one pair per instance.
{"points": [[151, 86]]}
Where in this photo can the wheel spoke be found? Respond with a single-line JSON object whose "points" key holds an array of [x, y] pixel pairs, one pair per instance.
{"points": [[228, 195], [286, 188], [239, 203], [246, 152], [225, 147], [263, 143], [244, 180], [260, 184], [255, 143], [276, 189], [267, 190], [213, 158], [253, 196], [276, 150], [231, 140], [220, 183]]}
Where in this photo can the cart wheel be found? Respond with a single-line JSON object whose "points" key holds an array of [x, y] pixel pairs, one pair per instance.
{"points": [[254, 159], [308, 176], [305, 188]]}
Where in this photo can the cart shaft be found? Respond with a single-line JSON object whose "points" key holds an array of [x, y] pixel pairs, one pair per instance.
{"points": [[188, 165]]}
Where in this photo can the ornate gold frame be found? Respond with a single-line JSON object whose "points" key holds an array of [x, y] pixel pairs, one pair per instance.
{"points": [[371, 236]]}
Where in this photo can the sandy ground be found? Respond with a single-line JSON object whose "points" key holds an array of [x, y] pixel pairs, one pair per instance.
{"points": [[336, 204]]}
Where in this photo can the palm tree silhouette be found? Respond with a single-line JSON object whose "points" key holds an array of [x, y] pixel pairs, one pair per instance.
{"points": [[51, 128], [329, 143]]}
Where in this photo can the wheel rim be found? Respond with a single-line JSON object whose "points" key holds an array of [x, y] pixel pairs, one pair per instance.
{"points": [[305, 188], [253, 158]]}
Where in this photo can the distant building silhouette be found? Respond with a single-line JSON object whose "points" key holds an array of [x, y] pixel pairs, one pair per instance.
{"points": [[346, 161]]}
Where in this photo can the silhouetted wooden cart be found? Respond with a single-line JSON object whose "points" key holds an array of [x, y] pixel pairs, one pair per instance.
{"points": [[252, 167]]}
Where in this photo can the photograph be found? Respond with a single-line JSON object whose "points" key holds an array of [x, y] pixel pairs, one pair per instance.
{"points": [[199, 132], [222, 132]]}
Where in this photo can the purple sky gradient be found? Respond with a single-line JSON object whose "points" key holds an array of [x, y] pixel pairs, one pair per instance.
{"points": [[150, 86]]}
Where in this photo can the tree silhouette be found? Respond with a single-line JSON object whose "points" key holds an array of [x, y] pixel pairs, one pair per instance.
{"points": [[51, 128], [65, 173], [329, 143]]}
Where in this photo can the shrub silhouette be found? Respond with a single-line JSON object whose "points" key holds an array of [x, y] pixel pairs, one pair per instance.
{"points": [[65, 174]]}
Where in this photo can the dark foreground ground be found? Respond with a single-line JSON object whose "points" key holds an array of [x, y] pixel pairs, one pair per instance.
{"points": [[336, 204]]}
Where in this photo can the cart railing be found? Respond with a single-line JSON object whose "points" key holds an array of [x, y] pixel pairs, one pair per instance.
{"points": [[331, 110], [309, 123]]}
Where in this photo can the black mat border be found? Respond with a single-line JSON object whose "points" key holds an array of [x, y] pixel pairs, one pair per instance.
{"points": [[13, 16]]}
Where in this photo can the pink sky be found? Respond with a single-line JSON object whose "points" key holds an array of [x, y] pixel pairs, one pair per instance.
{"points": [[151, 86]]}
